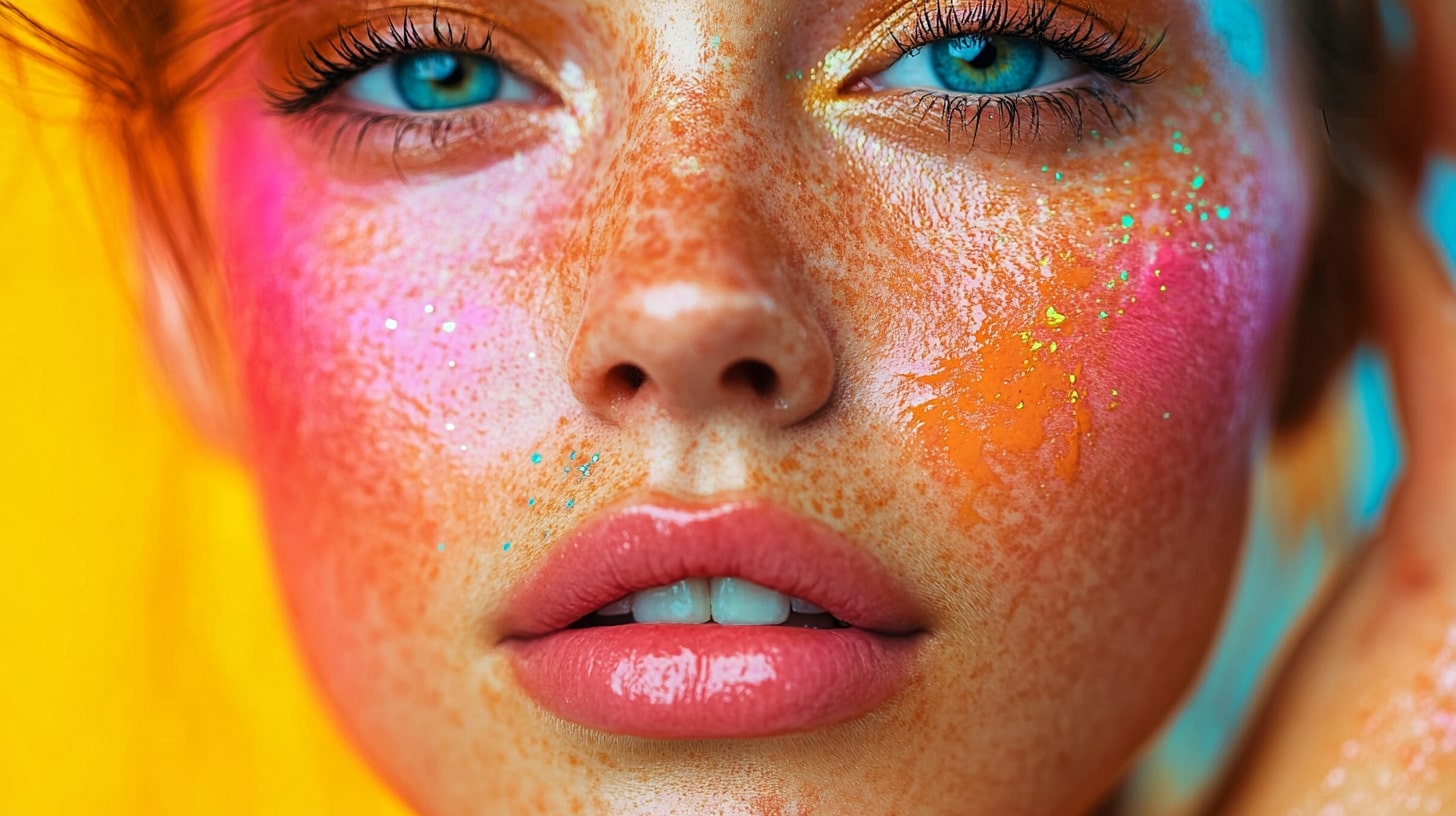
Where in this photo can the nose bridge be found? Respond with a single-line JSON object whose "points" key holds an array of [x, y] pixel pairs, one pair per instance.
{"points": [[693, 304], [680, 165]]}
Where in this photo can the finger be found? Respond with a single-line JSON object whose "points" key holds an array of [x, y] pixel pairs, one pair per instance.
{"points": [[1413, 302]]}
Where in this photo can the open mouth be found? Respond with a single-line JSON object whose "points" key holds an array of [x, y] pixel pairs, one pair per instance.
{"points": [[729, 621], [723, 601]]}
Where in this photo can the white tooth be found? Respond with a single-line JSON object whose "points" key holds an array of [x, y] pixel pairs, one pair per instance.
{"points": [[803, 607], [616, 608], [683, 602], [737, 602]]}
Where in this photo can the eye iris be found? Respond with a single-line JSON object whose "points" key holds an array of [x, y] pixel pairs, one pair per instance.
{"points": [[986, 64], [439, 80]]}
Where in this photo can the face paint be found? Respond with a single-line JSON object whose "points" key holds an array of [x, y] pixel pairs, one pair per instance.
{"points": [[1240, 26], [1048, 341]]}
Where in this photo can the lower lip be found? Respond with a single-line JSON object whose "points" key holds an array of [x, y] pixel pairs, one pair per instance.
{"points": [[683, 681]]}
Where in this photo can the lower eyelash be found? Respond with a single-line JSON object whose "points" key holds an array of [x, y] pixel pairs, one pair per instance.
{"points": [[1022, 115], [349, 125]]}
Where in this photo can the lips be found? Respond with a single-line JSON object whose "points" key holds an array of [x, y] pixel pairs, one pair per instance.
{"points": [[703, 681]]}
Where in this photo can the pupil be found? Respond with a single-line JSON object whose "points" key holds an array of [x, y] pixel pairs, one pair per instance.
{"points": [[440, 69], [986, 58], [455, 78]]}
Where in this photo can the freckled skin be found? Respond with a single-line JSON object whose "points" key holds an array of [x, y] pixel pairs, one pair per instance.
{"points": [[1053, 455]]}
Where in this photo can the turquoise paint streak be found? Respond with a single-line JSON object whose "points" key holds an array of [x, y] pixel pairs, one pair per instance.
{"points": [[1396, 26], [1438, 209], [1238, 24]]}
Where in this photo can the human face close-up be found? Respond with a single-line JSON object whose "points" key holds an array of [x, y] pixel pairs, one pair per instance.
{"points": [[959, 320]]}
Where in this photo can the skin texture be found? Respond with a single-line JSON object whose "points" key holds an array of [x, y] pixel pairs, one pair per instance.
{"points": [[1027, 372]]}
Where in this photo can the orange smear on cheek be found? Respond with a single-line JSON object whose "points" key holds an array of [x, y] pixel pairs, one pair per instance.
{"points": [[1018, 391]]}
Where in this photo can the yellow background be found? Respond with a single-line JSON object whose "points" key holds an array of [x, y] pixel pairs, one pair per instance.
{"points": [[146, 665]]}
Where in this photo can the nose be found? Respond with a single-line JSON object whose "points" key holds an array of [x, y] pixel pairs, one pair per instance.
{"points": [[693, 315]]}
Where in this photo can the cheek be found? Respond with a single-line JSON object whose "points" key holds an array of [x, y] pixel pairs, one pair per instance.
{"points": [[1114, 327], [392, 358], [1090, 384]]}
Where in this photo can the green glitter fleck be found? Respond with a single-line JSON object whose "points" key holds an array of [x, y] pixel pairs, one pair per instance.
{"points": [[440, 546], [531, 502], [1102, 315], [1197, 183], [1203, 216], [570, 503], [506, 547], [1128, 221], [1123, 274], [1223, 213], [535, 458], [1045, 168], [715, 42], [1178, 148], [1167, 415], [596, 457], [1058, 176], [572, 456]]}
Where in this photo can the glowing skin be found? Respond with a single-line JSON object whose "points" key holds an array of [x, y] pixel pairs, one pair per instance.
{"points": [[1053, 455]]}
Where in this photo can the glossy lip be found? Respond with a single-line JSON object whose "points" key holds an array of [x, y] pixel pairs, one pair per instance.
{"points": [[709, 681]]}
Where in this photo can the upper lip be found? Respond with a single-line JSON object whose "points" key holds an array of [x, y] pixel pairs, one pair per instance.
{"points": [[653, 544]]}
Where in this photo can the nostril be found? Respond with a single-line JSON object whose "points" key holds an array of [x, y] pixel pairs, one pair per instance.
{"points": [[624, 381], [752, 375]]}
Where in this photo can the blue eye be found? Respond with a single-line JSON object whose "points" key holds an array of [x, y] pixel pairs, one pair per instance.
{"points": [[436, 81], [978, 65]]}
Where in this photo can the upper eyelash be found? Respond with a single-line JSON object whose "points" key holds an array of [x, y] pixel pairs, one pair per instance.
{"points": [[350, 54], [1107, 52]]}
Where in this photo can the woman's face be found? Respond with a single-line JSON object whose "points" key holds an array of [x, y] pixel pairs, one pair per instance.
{"points": [[955, 319]]}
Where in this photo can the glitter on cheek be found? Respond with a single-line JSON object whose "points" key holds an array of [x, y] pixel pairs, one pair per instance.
{"points": [[1112, 316]]}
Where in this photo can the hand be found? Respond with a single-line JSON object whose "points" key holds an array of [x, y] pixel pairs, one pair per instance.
{"points": [[1363, 722]]}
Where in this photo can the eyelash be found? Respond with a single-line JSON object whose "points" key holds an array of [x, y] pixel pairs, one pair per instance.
{"points": [[327, 68], [352, 55], [1108, 54]]}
